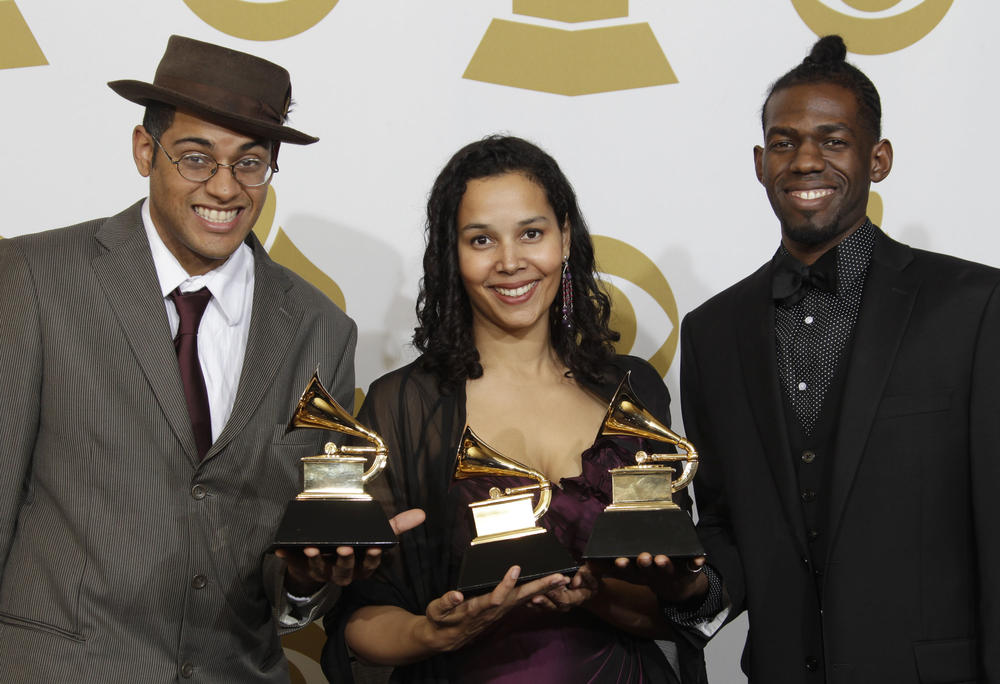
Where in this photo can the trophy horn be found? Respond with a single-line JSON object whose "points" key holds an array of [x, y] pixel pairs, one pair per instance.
{"points": [[318, 409], [476, 458], [627, 417]]}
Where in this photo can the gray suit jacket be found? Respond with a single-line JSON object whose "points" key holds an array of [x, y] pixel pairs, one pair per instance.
{"points": [[122, 558], [909, 589]]}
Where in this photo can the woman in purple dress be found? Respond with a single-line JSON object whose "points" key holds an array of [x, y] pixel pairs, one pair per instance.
{"points": [[513, 330]]}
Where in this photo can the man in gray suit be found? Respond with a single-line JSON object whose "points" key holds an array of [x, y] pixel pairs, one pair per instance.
{"points": [[142, 479]]}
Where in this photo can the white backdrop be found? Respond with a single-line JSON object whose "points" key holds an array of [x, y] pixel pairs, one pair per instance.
{"points": [[666, 169]]}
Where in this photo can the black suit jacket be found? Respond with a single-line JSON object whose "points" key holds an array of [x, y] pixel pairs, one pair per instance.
{"points": [[909, 591]]}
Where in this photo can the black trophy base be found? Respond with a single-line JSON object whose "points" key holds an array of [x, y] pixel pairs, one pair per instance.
{"points": [[626, 534], [328, 523], [484, 565]]}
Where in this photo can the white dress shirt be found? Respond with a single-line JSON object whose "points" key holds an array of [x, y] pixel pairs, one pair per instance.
{"points": [[222, 334]]}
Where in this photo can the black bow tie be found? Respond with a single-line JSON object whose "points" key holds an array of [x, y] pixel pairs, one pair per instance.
{"points": [[792, 279]]}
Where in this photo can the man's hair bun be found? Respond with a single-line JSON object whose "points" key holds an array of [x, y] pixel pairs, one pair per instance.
{"points": [[827, 50]]}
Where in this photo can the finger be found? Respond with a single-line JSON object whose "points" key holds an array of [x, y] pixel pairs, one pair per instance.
{"points": [[661, 561], [544, 602], [622, 563], [406, 520], [541, 586], [343, 569], [371, 561], [506, 585], [644, 560], [441, 608]]}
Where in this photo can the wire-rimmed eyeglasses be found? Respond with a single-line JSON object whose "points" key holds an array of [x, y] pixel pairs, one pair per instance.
{"points": [[197, 167]]}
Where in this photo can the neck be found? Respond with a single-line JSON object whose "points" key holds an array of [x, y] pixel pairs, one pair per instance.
{"points": [[809, 254], [529, 354]]}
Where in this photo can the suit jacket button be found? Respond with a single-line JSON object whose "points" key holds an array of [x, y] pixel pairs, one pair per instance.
{"points": [[199, 581], [808, 495], [812, 664], [198, 492], [187, 669]]}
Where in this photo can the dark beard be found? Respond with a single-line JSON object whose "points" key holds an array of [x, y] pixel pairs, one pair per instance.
{"points": [[812, 236]]}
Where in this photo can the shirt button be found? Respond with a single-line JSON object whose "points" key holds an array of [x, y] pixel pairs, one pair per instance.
{"points": [[199, 581], [808, 320], [813, 535], [808, 495], [187, 669], [802, 386], [808, 456], [198, 492], [812, 664]]}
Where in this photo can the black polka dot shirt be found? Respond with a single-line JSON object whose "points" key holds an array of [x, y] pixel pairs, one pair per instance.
{"points": [[812, 334]]}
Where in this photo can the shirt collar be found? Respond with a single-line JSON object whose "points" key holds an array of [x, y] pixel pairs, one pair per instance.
{"points": [[228, 283], [853, 254]]}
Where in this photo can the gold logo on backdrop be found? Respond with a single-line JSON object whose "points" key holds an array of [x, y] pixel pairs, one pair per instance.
{"points": [[18, 47], [570, 62], [622, 260], [261, 20], [873, 35], [284, 252], [875, 208]]}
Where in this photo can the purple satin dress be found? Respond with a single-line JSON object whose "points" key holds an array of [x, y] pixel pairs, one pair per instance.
{"points": [[532, 644]]}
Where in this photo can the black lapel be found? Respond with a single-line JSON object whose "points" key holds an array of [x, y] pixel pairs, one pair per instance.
{"points": [[127, 274], [274, 322], [888, 299], [758, 360]]}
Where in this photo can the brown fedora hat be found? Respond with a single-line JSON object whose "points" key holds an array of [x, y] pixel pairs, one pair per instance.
{"points": [[236, 90]]}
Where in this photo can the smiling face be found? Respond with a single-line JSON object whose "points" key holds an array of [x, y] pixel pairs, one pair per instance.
{"points": [[510, 251], [200, 223], [817, 164]]}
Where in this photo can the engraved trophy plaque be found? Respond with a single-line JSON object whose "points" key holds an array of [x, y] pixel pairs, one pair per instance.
{"points": [[642, 515], [506, 524], [334, 509]]}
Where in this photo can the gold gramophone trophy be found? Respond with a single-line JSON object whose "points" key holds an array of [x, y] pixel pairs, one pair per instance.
{"points": [[334, 509], [506, 529], [642, 515]]}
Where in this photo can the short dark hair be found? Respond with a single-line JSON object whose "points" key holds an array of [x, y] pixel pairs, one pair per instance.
{"points": [[825, 64], [444, 314], [157, 118]]}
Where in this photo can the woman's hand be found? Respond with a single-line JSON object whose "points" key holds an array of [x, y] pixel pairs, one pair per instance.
{"points": [[453, 621], [580, 589]]}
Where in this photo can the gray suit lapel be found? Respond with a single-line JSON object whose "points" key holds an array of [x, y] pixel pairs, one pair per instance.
{"points": [[126, 272], [755, 333], [889, 296], [273, 324]]}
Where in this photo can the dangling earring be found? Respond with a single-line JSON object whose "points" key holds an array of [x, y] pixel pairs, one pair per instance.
{"points": [[567, 295]]}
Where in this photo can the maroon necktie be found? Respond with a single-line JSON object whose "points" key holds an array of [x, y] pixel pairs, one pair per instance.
{"points": [[190, 308]]}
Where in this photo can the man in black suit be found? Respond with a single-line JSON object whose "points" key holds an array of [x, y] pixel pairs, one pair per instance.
{"points": [[844, 399]]}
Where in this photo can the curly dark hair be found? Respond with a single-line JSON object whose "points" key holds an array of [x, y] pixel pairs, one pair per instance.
{"points": [[825, 64], [444, 332]]}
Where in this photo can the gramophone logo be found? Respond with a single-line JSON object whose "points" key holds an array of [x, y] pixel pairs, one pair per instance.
{"points": [[623, 261], [576, 61], [868, 27], [261, 20], [283, 251], [18, 47]]}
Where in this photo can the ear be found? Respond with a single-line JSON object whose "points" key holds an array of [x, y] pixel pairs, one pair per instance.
{"points": [[566, 237], [143, 149], [881, 162], [758, 163]]}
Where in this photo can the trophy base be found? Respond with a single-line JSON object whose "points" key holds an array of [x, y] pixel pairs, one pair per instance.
{"points": [[328, 523], [484, 565], [626, 534]]}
